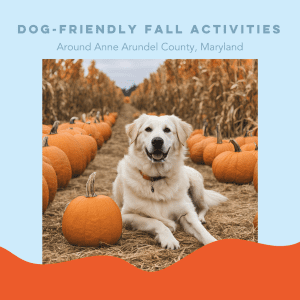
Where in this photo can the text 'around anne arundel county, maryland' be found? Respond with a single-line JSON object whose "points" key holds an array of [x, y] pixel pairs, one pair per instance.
{"points": [[189, 48]]}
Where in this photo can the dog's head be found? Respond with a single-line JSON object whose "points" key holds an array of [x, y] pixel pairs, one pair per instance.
{"points": [[158, 137]]}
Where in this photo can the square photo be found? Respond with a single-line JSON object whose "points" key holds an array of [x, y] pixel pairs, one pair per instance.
{"points": [[148, 160]]}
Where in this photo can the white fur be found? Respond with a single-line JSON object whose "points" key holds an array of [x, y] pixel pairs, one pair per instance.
{"points": [[177, 198]]}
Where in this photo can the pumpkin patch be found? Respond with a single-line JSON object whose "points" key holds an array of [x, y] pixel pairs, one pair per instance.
{"points": [[70, 151]]}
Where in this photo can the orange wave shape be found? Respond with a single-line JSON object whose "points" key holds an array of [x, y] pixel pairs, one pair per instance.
{"points": [[227, 269]]}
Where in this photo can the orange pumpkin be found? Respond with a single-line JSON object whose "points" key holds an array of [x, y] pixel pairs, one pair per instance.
{"points": [[92, 130], [255, 177], [127, 100], [115, 115], [196, 153], [112, 115], [50, 176], [46, 129], [73, 121], [197, 138], [197, 131], [87, 127], [136, 115], [90, 142], [105, 130], [47, 160], [68, 144], [255, 221], [212, 150], [60, 163], [255, 152], [246, 139], [249, 147], [234, 167], [72, 130], [91, 220], [86, 147], [45, 194], [108, 122], [100, 138], [109, 118]]}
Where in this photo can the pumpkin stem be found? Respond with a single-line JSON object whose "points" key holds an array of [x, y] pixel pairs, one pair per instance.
{"points": [[219, 136], [246, 133], [256, 147], [45, 142], [83, 118], [72, 120], [204, 128], [90, 186], [237, 147], [98, 116], [54, 128]]}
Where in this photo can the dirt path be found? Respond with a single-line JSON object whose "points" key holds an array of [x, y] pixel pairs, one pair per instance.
{"points": [[232, 219]]}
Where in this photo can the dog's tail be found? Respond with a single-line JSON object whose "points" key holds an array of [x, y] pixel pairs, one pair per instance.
{"points": [[213, 198], [200, 196]]}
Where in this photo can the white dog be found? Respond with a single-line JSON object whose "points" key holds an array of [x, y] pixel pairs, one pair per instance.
{"points": [[154, 189]]}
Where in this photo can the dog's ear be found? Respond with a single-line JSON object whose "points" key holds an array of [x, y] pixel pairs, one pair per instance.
{"points": [[183, 129], [132, 129], [132, 132]]}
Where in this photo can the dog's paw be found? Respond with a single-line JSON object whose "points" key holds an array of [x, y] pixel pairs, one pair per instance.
{"points": [[170, 224], [201, 219], [168, 242], [209, 240]]}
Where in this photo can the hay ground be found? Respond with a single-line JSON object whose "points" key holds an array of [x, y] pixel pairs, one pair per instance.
{"points": [[230, 220]]}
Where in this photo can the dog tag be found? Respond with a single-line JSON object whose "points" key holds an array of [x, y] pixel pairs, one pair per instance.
{"points": [[152, 189]]}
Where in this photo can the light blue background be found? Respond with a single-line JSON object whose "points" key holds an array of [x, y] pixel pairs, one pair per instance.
{"points": [[21, 96]]}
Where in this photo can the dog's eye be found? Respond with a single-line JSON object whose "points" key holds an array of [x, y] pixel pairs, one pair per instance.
{"points": [[148, 129], [167, 130]]}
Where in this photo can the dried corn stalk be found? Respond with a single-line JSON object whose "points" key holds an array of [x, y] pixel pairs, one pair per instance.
{"points": [[67, 92], [217, 90]]}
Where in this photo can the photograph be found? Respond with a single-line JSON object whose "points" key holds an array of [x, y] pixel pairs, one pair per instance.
{"points": [[147, 160]]}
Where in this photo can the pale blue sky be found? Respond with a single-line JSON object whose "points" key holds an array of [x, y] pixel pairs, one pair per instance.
{"points": [[125, 72]]}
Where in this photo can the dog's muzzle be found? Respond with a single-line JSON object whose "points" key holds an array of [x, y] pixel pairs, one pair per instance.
{"points": [[157, 155]]}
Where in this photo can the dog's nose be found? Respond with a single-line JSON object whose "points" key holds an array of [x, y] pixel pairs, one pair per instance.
{"points": [[157, 142]]}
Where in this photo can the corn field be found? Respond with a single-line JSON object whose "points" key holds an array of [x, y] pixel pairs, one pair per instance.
{"points": [[223, 91], [67, 91]]}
